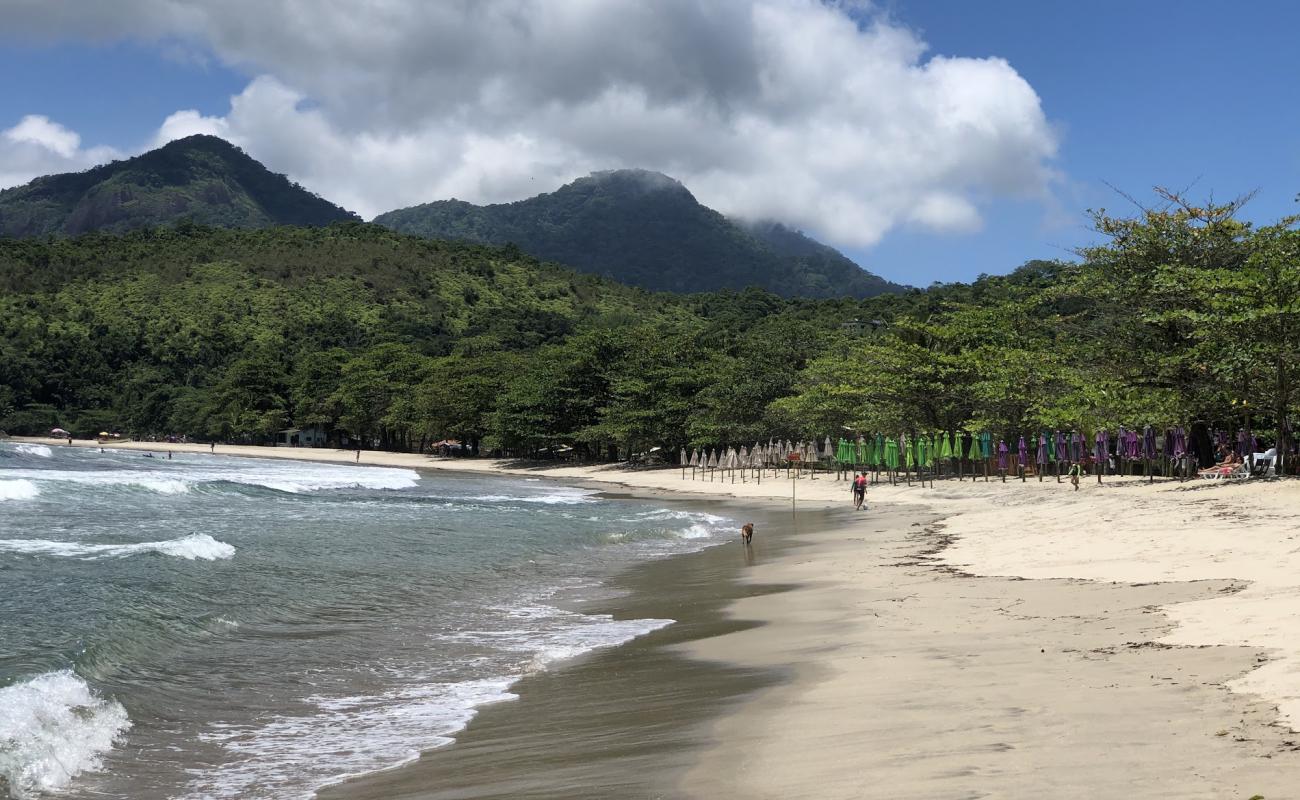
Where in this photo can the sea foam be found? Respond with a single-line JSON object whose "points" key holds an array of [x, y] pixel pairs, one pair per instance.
{"points": [[52, 728], [194, 546], [18, 490], [345, 737], [34, 450]]}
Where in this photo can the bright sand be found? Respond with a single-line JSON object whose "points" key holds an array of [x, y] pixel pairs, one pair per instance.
{"points": [[910, 676]]}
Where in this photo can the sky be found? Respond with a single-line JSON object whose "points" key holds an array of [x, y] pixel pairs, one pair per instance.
{"points": [[930, 141]]}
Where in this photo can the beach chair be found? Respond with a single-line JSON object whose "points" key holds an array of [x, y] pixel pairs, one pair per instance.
{"points": [[1237, 472], [1262, 463]]}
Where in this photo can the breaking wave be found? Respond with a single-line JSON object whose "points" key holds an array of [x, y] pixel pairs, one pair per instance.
{"points": [[53, 728], [194, 546]]}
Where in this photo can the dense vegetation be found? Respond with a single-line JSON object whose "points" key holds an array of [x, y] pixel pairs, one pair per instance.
{"points": [[199, 178], [1184, 314], [645, 229]]}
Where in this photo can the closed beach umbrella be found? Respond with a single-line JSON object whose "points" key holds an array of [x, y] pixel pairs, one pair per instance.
{"points": [[682, 457], [695, 457], [1003, 450], [974, 454], [1180, 442], [986, 444], [1100, 442], [1062, 450], [891, 453], [1022, 452], [828, 452], [1148, 442], [879, 452], [1042, 450], [860, 451]]}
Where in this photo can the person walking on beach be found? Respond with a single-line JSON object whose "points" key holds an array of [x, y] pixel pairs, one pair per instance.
{"points": [[1076, 471], [859, 490]]}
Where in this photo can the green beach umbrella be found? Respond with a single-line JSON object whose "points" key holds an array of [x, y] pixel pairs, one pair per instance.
{"points": [[891, 453], [945, 445], [909, 451], [844, 451], [879, 451], [950, 450], [974, 454]]}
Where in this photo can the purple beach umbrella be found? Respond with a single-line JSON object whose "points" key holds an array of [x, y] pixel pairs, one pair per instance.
{"points": [[1022, 452], [1062, 452], [1042, 450], [1148, 442], [1180, 442], [1003, 450]]}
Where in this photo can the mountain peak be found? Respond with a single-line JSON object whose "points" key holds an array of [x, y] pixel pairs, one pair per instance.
{"points": [[201, 178], [636, 181], [646, 229]]}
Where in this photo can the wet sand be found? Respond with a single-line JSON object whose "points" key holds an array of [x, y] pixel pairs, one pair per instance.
{"points": [[624, 722]]}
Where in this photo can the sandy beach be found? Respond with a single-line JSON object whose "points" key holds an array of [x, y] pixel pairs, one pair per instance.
{"points": [[975, 639]]}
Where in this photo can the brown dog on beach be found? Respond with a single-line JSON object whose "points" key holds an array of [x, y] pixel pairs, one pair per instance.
{"points": [[747, 532]]}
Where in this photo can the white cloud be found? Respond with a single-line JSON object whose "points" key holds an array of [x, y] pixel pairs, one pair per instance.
{"points": [[38, 146], [791, 109]]}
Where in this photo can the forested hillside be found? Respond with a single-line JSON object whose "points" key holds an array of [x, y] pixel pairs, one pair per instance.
{"points": [[646, 229], [202, 179], [1184, 315]]}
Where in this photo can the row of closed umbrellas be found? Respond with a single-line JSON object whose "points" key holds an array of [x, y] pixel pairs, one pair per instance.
{"points": [[925, 449]]}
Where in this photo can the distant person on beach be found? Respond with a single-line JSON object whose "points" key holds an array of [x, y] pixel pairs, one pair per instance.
{"points": [[212, 448], [358, 455], [1076, 470], [747, 532], [859, 490]]}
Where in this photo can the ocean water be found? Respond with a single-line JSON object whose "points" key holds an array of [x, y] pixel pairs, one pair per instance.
{"points": [[217, 627]]}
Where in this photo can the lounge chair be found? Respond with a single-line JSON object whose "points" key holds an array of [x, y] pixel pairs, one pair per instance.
{"points": [[1262, 465], [1231, 472]]}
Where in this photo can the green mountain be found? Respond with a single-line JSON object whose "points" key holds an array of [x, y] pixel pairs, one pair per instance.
{"points": [[646, 229], [199, 178]]}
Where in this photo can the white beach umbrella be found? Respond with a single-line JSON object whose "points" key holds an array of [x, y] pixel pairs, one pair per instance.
{"points": [[713, 459], [682, 457], [828, 452], [695, 457]]}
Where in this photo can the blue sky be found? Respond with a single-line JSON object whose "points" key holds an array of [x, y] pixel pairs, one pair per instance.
{"points": [[1137, 94], [1199, 94]]}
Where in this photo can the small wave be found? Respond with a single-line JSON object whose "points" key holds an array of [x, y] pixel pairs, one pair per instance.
{"points": [[18, 490], [39, 450], [348, 736], [164, 486], [697, 531], [599, 631], [282, 478], [549, 634], [560, 497], [53, 728], [191, 547]]}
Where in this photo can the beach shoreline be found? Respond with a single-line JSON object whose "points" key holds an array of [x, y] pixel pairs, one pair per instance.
{"points": [[981, 639]]}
